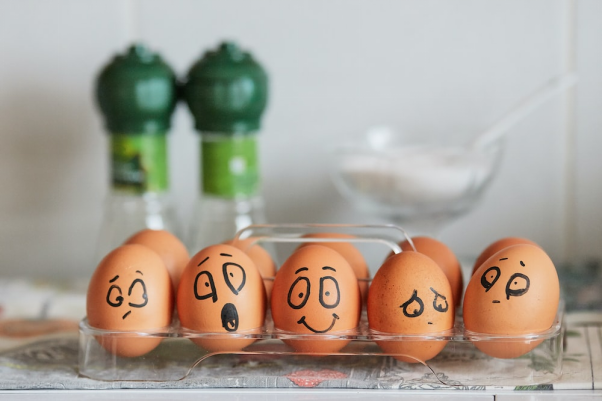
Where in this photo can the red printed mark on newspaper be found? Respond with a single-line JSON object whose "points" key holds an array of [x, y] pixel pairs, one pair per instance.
{"points": [[312, 378]]}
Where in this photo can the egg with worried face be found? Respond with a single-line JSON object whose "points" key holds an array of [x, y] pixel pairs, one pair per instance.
{"points": [[514, 292], [221, 292], [410, 295], [130, 291], [316, 292]]}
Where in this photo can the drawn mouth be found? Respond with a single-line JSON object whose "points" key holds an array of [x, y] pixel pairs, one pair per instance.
{"points": [[229, 317], [334, 319], [495, 301], [126, 314]]}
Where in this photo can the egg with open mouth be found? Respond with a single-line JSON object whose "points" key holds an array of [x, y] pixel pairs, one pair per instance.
{"points": [[221, 296]]}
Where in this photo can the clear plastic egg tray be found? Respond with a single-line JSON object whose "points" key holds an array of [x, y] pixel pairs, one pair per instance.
{"points": [[177, 357]]}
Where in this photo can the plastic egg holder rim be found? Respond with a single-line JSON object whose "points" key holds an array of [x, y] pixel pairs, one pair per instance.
{"points": [[362, 339]]}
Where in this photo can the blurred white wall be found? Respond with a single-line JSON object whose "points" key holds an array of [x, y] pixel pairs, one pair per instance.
{"points": [[336, 68]]}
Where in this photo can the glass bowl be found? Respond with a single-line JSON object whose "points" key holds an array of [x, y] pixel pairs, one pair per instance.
{"points": [[413, 184]]}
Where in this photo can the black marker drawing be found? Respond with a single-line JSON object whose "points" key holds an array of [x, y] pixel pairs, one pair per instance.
{"points": [[439, 307], [207, 286], [490, 277], [144, 295], [522, 263], [299, 293], [334, 320], [229, 317], [413, 299], [232, 275], [516, 287], [326, 290], [118, 299]]}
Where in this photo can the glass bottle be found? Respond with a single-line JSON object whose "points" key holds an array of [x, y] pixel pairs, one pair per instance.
{"points": [[226, 91], [136, 92]]}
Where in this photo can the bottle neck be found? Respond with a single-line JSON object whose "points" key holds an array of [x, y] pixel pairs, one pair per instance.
{"points": [[139, 163], [229, 165]]}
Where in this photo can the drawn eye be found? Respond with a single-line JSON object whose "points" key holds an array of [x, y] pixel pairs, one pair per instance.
{"points": [[137, 293], [329, 292], [490, 277], [517, 285], [204, 287], [299, 293], [235, 276], [438, 304], [114, 297], [413, 307]]}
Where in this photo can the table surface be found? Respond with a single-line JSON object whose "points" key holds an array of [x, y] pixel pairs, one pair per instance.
{"points": [[39, 347]]}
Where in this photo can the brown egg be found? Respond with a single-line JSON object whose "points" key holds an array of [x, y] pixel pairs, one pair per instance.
{"points": [[410, 295], [514, 292], [444, 257], [353, 256], [221, 292], [169, 247], [130, 291], [497, 246], [316, 292], [262, 259]]}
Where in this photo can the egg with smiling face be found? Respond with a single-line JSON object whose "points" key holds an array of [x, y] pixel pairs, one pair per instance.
{"points": [[221, 293], [316, 292], [514, 292], [130, 291], [410, 295]]}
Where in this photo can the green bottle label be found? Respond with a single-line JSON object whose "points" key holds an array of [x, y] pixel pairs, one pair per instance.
{"points": [[139, 163], [230, 167]]}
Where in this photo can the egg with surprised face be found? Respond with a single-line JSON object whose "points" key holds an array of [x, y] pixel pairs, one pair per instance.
{"points": [[410, 295], [514, 292], [316, 292], [130, 291], [221, 291]]}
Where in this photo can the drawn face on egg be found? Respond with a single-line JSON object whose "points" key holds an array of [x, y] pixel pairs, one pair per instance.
{"points": [[220, 269], [315, 291], [221, 291], [135, 298], [513, 291], [414, 307], [517, 284], [328, 295]]}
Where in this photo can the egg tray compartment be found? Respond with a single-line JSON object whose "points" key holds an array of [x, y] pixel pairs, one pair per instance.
{"points": [[459, 364]]}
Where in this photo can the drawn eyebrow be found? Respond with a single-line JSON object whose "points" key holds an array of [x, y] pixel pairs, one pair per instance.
{"points": [[206, 258], [114, 279], [301, 269], [522, 263], [225, 255], [330, 268], [502, 259], [139, 272]]}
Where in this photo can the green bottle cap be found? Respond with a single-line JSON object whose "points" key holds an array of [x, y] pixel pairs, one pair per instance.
{"points": [[226, 91], [136, 92]]}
